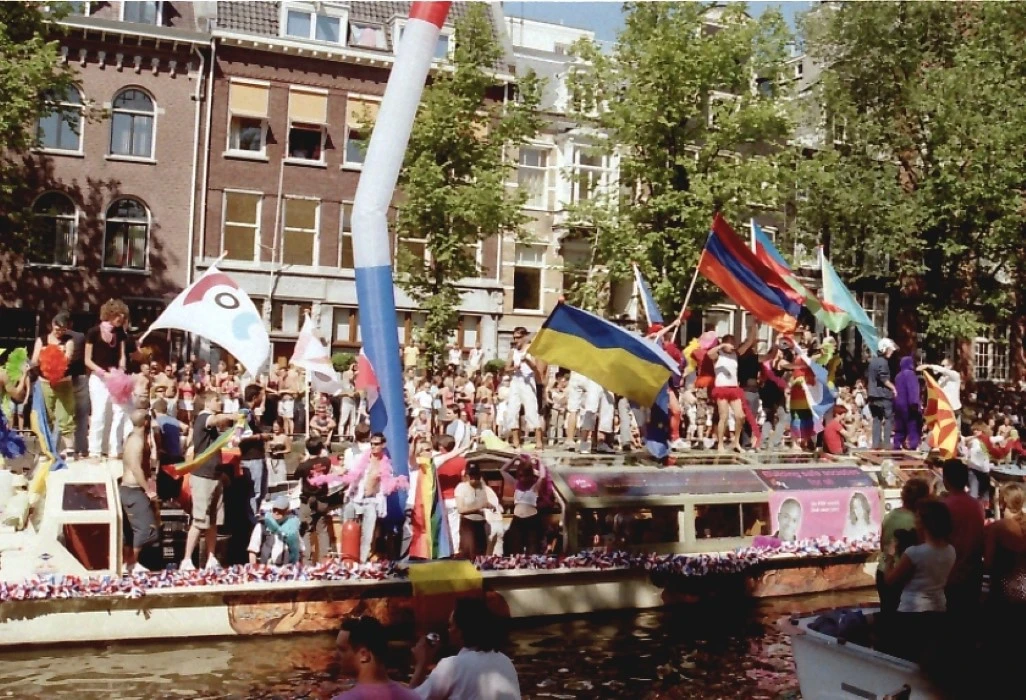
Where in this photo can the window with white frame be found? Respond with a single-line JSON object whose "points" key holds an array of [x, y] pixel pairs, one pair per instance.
{"points": [[591, 174], [56, 230], [346, 322], [308, 115], [361, 114], [247, 115], [991, 356], [314, 21], [287, 316], [415, 248], [443, 45], [60, 129], [535, 177], [346, 257], [367, 35], [142, 11], [529, 266], [241, 232], [299, 234], [77, 8], [127, 233], [469, 331], [876, 306], [133, 113]]}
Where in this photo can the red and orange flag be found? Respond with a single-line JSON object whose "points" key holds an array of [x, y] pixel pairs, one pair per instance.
{"points": [[940, 420]]}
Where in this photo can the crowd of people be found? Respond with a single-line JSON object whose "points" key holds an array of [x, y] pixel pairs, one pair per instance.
{"points": [[935, 552]]}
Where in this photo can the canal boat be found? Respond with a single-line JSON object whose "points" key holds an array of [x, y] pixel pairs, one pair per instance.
{"points": [[628, 534]]}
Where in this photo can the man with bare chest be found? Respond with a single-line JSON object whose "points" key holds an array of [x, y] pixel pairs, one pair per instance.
{"points": [[138, 492]]}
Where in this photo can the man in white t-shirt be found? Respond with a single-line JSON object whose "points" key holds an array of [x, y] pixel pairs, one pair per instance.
{"points": [[479, 671], [475, 359], [950, 382], [523, 389]]}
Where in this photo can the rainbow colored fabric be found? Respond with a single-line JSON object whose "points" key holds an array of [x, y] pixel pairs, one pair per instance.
{"points": [[215, 448], [431, 538], [50, 457], [732, 266]]}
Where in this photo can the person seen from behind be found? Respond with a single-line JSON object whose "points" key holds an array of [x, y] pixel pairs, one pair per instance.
{"points": [[479, 671]]}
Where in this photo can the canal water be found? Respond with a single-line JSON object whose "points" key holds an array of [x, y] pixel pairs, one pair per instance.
{"points": [[687, 652]]}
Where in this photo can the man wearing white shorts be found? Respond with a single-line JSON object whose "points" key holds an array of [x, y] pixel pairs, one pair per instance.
{"points": [[523, 389], [598, 417], [576, 389]]}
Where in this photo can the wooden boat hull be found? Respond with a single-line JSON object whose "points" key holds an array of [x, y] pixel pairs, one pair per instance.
{"points": [[317, 606]]}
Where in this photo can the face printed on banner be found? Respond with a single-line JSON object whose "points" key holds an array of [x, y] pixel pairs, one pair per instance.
{"points": [[789, 520]]}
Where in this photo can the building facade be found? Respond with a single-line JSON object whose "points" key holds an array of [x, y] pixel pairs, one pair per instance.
{"points": [[112, 179], [295, 90]]}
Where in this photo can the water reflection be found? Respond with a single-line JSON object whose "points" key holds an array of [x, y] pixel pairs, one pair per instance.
{"points": [[691, 652]]}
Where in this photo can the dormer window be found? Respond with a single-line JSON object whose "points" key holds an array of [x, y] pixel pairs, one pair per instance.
{"points": [[443, 46], [314, 22], [141, 11], [366, 35]]}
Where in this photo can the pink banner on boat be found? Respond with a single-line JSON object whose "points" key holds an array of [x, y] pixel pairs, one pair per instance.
{"points": [[852, 513]]}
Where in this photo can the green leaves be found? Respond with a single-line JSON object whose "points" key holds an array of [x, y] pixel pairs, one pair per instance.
{"points": [[693, 135], [453, 182], [933, 100]]}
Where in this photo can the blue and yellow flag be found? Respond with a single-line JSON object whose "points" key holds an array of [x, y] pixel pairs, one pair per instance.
{"points": [[618, 360]]}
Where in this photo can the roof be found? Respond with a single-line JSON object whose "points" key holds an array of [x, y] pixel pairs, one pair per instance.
{"points": [[261, 18]]}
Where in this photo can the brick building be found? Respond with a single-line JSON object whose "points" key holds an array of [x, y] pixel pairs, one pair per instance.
{"points": [[295, 89], [113, 189]]}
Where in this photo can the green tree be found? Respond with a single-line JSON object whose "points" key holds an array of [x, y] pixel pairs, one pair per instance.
{"points": [[691, 109], [924, 113], [454, 180], [31, 75]]}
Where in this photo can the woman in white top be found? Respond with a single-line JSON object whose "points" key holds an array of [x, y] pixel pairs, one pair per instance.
{"points": [[923, 572], [472, 503], [726, 391], [527, 529]]}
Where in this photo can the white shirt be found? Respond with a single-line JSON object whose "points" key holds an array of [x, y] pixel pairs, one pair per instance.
{"points": [[423, 399], [726, 369], [520, 368], [950, 383], [455, 356], [353, 453], [472, 675], [474, 359], [460, 431], [469, 497]]}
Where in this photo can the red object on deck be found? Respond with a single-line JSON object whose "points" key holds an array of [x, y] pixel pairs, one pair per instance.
{"points": [[351, 540]]}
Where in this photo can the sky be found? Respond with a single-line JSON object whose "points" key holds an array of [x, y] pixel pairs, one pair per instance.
{"points": [[605, 18]]}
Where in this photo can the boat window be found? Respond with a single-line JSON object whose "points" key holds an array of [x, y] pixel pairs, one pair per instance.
{"points": [[618, 527], [716, 520], [84, 497], [755, 519]]}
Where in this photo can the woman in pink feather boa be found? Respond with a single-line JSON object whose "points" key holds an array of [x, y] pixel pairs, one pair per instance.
{"points": [[371, 481]]}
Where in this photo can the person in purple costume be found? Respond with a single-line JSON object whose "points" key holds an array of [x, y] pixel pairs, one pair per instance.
{"points": [[908, 408]]}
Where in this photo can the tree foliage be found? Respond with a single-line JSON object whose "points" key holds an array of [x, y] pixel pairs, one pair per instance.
{"points": [[454, 180], [692, 111], [925, 114], [31, 74]]}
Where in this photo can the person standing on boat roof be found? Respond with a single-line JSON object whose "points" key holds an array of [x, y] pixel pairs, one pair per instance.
{"points": [[523, 391], [252, 451], [726, 388], [881, 393], [138, 493], [205, 480]]}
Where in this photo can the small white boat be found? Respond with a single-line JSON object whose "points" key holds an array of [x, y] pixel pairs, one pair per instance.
{"points": [[831, 668]]}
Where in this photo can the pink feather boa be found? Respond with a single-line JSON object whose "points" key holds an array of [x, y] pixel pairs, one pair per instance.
{"points": [[389, 482], [119, 386]]}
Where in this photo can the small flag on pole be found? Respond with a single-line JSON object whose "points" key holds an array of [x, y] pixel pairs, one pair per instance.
{"points": [[312, 355], [839, 302], [648, 302], [215, 308]]}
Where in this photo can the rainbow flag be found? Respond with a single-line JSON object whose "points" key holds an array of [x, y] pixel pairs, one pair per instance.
{"points": [[431, 538], [215, 449], [732, 266], [940, 420]]}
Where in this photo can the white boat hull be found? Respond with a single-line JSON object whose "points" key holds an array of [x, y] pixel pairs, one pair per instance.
{"points": [[829, 669]]}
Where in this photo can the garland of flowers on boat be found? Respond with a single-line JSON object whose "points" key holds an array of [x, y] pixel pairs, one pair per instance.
{"points": [[670, 565]]}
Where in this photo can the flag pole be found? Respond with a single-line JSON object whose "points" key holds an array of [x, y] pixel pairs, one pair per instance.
{"points": [[687, 299]]}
